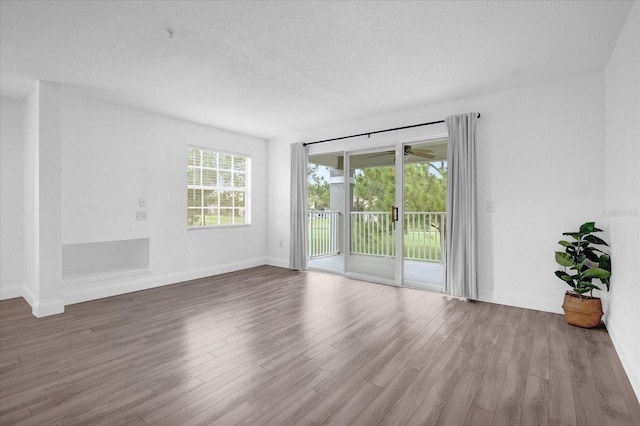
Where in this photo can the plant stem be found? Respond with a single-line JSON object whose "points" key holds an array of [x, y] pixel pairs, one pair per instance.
{"points": [[578, 252]]}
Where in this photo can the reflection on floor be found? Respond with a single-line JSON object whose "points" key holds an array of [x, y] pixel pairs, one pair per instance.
{"points": [[425, 273]]}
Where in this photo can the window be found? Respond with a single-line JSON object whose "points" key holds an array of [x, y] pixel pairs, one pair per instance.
{"points": [[217, 188]]}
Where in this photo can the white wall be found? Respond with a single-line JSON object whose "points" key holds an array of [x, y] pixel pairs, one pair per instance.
{"points": [[11, 224], [48, 200], [30, 175], [622, 162], [101, 158], [112, 156], [540, 158], [41, 204]]}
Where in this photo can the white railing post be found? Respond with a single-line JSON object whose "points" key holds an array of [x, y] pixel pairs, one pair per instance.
{"points": [[388, 236]]}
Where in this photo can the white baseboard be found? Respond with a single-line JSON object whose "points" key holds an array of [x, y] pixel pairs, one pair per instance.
{"points": [[630, 362], [28, 296], [42, 309], [281, 263], [92, 290], [10, 292], [518, 301], [46, 309]]}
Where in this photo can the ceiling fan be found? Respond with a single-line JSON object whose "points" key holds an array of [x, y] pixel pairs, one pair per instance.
{"points": [[409, 150], [419, 152]]}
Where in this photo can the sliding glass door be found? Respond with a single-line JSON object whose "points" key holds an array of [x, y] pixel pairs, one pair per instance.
{"points": [[373, 216], [380, 214]]}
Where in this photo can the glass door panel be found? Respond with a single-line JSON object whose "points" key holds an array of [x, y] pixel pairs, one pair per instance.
{"points": [[425, 189], [373, 216]]}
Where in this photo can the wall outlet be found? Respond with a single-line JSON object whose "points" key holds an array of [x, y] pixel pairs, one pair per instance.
{"points": [[141, 215]]}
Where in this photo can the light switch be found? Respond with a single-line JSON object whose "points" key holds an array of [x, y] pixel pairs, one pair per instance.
{"points": [[142, 202], [141, 215]]}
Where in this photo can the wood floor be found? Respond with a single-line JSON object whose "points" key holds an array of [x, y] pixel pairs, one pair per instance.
{"points": [[269, 346]]}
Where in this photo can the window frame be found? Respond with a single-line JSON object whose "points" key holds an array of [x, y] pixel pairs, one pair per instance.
{"points": [[246, 189]]}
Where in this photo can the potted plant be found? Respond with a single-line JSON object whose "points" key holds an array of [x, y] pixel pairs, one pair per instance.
{"points": [[582, 263]]}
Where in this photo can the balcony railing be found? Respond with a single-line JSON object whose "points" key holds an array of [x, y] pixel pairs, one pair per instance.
{"points": [[323, 233], [373, 234], [422, 236]]}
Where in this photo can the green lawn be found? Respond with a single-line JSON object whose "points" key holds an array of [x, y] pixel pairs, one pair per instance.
{"points": [[213, 220]]}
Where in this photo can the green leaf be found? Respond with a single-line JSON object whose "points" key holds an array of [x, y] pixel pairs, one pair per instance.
{"points": [[596, 273], [604, 262], [595, 240], [581, 290], [574, 235], [564, 276], [587, 227], [566, 243], [564, 259], [590, 286], [591, 255]]}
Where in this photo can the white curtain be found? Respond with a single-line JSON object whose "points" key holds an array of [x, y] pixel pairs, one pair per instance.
{"points": [[461, 236], [298, 240]]}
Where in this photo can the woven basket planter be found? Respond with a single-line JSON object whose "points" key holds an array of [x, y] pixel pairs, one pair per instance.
{"points": [[584, 311]]}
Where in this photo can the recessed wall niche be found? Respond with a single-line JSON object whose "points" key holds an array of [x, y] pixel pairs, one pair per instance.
{"points": [[84, 262]]}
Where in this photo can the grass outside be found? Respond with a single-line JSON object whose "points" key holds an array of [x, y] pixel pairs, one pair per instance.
{"points": [[210, 220]]}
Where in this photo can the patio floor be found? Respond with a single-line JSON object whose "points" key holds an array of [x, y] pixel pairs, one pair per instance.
{"points": [[416, 273]]}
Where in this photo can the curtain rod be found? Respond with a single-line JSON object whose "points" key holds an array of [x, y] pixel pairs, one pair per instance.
{"points": [[377, 131]]}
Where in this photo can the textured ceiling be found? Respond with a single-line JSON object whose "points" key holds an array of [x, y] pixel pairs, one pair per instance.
{"points": [[273, 68]]}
